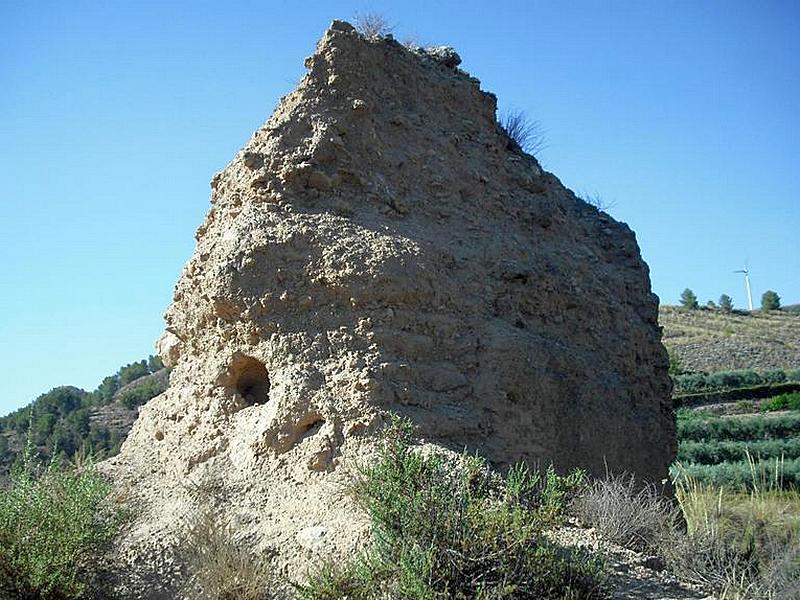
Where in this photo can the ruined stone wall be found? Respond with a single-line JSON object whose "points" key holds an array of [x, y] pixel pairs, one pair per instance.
{"points": [[381, 245]]}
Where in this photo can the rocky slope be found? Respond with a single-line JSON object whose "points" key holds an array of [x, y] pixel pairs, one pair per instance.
{"points": [[380, 244]]}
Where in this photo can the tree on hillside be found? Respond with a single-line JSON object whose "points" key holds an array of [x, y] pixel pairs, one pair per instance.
{"points": [[689, 300], [132, 372], [154, 363], [726, 303], [770, 301]]}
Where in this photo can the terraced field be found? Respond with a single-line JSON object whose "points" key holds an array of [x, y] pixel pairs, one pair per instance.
{"points": [[740, 451]]}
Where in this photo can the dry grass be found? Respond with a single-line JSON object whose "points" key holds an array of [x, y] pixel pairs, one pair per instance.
{"points": [[372, 26], [525, 133], [221, 568], [715, 340], [740, 544], [627, 513]]}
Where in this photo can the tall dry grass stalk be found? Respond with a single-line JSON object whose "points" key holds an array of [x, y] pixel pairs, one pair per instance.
{"points": [[222, 568]]}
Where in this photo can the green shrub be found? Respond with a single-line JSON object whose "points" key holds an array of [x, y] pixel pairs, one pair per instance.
{"points": [[713, 452], [758, 427], [53, 526], [693, 383], [782, 402], [774, 473], [449, 527]]}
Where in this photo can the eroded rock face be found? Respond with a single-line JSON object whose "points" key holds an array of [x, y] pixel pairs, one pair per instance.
{"points": [[380, 245]]}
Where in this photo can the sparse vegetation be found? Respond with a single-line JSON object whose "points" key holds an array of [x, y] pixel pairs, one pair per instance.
{"points": [[740, 544], [596, 200], [693, 383], [525, 134], [372, 26], [627, 512], [55, 523], [447, 527], [223, 568], [717, 340]]}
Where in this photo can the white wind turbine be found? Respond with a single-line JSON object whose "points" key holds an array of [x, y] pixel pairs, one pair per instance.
{"points": [[746, 272]]}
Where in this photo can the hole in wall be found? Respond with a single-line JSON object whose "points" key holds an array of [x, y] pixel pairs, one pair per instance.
{"points": [[252, 380], [309, 425]]}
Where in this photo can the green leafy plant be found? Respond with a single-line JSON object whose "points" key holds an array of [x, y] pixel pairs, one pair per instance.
{"points": [[449, 527], [54, 525]]}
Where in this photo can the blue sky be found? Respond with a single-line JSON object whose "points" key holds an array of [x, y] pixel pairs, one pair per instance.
{"points": [[683, 115]]}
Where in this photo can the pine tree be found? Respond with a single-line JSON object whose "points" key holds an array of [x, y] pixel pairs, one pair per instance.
{"points": [[689, 300], [726, 303], [770, 301]]}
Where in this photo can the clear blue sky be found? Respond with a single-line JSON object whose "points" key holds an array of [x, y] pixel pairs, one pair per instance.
{"points": [[114, 116]]}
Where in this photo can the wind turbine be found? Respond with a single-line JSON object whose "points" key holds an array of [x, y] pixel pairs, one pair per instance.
{"points": [[747, 285]]}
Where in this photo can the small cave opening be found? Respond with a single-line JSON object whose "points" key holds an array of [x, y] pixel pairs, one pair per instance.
{"points": [[252, 381]]}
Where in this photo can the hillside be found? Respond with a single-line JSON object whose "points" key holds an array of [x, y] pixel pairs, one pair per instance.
{"points": [[714, 340], [68, 419]]}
